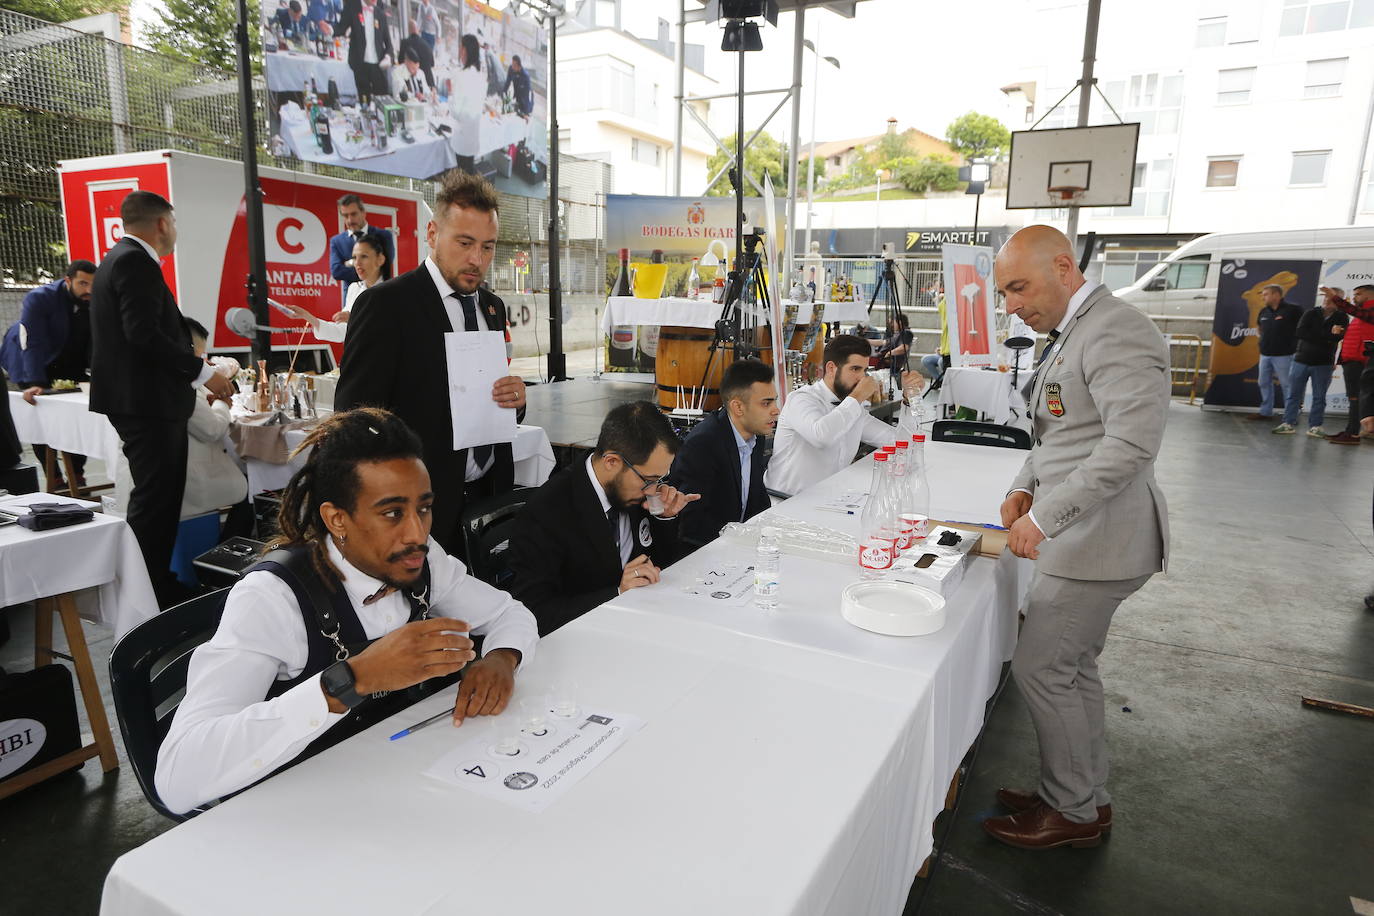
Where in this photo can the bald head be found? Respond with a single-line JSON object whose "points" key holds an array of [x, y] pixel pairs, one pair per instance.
{"points": [[1038, 274]]}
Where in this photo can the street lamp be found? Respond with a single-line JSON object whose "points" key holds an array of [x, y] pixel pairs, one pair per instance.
{"points": [[976, 173], [882, 175], [811, 158]]}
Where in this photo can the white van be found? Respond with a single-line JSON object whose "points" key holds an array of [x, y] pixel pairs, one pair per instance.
{"points": [[1184, 285]]}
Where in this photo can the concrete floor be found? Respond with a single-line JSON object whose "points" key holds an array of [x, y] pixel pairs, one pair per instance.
{"points": [[1229, 797]]}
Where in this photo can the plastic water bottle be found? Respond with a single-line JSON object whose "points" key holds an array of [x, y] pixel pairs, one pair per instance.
{"points": [[767, 563], [915, 511], [901, 471], [878, 523]]}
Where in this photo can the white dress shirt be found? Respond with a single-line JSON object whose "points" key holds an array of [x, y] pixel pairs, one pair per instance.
{"points": [[746, 457], [206, 371], [817, 438], [226, 736], [449, 296], [627, 542], [369, 36], [1075, 303]]}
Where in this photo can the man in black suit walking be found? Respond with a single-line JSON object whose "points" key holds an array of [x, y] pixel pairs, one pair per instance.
{"points": [[144, 375], [370, 53], [724, 457], [602, 526], [394, 355]]}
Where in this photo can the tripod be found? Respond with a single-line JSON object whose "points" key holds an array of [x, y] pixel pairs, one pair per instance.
{"points": [[892, 311], [734, 330]]}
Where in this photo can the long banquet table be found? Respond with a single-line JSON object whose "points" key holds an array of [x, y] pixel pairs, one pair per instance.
{"points": [[789, 764]]}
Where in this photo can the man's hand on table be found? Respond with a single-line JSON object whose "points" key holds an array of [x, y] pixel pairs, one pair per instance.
{"points": [[509, 392], [487, 686], [31, 393], [638, 573]]}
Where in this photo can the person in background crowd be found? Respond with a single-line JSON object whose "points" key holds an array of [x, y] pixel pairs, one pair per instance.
{"points": [[395, 349], [822, 424], [369, 260], [427, 23], [587, 534], [897, 348], [1278, 341], [422, 52], [933, 365], [354, 216], [144, 376], [52, 340], [1319, 336], [370, 55], [1086, 508], [291, 21], [519, 80], [273, 687], [724, 458], [1353, 359]]}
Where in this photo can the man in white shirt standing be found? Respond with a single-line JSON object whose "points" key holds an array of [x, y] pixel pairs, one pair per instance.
{"points": [[822, 424], [325, 636]]}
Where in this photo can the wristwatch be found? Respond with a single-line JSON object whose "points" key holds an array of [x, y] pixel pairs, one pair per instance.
{"points": [[337, 681]]}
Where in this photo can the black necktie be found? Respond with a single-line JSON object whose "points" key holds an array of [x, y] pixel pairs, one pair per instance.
{"points": [[357, 234], [1049, 348], [481, 454], [613, 517]]}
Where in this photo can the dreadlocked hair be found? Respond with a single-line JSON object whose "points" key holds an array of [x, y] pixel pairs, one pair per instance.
{"points": [[330, 475]]}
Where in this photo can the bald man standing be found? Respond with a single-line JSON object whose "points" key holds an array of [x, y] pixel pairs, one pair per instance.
{"points": [[1087, 510]]}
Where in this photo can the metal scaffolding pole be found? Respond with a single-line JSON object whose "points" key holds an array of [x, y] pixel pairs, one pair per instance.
{"points": [[1085, 93], [784, 270]]}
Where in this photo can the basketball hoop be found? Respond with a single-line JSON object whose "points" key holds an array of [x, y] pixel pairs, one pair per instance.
{"points": [[1068, 192]]}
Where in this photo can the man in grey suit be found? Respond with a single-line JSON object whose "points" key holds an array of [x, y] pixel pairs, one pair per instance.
{"points": [[1087, 509]]}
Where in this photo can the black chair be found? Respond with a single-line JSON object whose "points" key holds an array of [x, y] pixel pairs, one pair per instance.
{"points": [[970, 432], [148, 680], [487, 527], [22, 478]]}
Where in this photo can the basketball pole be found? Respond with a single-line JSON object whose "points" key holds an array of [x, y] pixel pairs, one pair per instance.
{"points": [[1085, 94]]}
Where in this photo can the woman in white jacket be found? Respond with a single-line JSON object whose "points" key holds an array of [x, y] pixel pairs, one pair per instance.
{"points": [[369, 260]]}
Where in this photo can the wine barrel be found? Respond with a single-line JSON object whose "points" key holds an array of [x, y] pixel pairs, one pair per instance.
{"points": [[682, 357]]}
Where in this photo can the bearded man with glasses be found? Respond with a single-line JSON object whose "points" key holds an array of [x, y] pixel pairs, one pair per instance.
{"points": [[603, 526]]}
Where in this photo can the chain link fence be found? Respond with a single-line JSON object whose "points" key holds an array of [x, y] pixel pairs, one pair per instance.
{"points": [[67, 94]]}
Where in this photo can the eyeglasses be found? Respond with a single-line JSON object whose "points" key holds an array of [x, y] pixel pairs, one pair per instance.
{"points": [[649, 482]]}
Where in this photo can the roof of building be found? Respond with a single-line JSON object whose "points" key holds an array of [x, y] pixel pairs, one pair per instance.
{"points": [[837, 147]]}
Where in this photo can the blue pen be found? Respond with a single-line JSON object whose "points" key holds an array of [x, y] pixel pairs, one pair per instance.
{"points": [[978, 525], [419, 725]]}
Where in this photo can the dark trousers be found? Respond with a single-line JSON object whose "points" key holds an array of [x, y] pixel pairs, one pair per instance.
{"points": [[156, 450], [371, 81], [1352, 369], [78, 461]]}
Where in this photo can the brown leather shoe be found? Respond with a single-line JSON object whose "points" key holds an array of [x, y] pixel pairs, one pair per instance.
{"points": [[1018, 801], [1343, 438], [1042, 827]]}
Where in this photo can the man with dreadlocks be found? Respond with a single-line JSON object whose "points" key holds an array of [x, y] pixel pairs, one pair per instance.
{"points": [[325, 635]]}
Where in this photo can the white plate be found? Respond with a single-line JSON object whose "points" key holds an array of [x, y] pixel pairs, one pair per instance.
{"points": [[893, 608]]}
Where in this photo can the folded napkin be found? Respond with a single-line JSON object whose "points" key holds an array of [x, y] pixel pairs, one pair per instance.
{"points": [[42, 516]]}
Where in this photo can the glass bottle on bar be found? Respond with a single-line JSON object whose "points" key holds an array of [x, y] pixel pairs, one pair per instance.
{"points": [[648, 333], [622, 349], [693, 281]]}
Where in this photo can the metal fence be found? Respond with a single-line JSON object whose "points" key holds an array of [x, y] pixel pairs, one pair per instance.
{"points": [[66, 94]]}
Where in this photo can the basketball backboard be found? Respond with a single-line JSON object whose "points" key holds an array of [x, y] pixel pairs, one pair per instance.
{"points": [[1098, 160]]}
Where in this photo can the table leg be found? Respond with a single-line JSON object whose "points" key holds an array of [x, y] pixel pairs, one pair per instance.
{"points": [[49, 469], [42, 632], [85, 676], [72, 489]]}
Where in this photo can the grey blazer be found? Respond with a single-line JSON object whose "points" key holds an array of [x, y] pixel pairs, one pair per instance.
{"points": [[1098, 406]]}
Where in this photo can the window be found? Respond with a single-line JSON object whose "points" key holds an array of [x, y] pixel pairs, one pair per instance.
{"points": [[564, 137], [1189, 273], [1222, 171], [579, 86], [1305, 16], [1152, 99], [605, 13], [643, 152], [1233, 86], [1143, 90], [1369, 193], [1309, 168], [1324, 78], [1211, 33], [621, 87], [1150, 188], [1123, 267]]}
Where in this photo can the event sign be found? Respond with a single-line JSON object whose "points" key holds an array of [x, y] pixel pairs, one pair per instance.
{"points": [[410, 88], [970, 307], [1234, 369]]}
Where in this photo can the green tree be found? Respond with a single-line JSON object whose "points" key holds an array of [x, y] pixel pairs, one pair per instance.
{"points": [[65, 10], [764, 155], [202, 31], [924, 173], [975, 134]]}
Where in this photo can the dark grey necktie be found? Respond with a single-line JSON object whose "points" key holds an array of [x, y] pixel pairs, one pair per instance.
{"points": [[481, 454], [613, 517], [1049, 348]]}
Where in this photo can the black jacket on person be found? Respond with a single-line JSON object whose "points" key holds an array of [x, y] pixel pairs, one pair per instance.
{"points": [[10, 447], [351, 27], [708, 464], [394, 358], [564, 556], [142, 364], [420, 50], [1278, 329], [1317, 344]]}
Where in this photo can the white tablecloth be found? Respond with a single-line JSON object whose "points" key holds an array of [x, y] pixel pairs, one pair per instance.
{"points": [[790, 764], [102, 555], [65, 422], [987, 392], [428, 155], [698, 313], [532, 451]]}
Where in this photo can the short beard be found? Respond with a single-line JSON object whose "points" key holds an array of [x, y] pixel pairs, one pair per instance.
{"points": [[841, 391]]}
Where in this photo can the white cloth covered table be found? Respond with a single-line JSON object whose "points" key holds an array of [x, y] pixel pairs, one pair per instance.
{"points": [[675, 311], [102, 555], [987, 392], [65, 422]]}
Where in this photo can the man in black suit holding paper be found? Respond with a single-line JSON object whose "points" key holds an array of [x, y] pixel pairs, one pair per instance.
{"points": [[394, 354], [602, 526], [144, 376], [724, 457]]}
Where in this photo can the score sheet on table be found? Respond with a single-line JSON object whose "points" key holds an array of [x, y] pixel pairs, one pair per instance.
{"points": [[476, 360]]}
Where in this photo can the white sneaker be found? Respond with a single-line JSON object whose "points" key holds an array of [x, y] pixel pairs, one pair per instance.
{"points": [[1283, 429], [1316, 432]]}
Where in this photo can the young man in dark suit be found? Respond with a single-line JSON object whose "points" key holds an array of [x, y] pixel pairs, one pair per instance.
{"points": [[724, 457], [144, 374], [601, 526], [370, 54], [394, 355]]}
